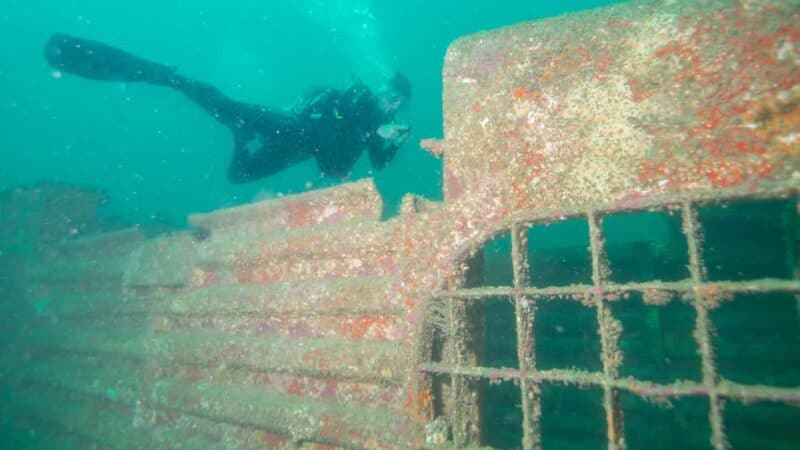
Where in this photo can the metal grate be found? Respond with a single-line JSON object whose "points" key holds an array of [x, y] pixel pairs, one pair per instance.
{"points": [[703, 293]]}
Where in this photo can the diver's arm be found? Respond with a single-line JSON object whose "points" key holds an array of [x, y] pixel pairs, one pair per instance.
{"points": [[231, 113]]}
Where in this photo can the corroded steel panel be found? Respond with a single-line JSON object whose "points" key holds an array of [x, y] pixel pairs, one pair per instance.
{"points": [[118, 383], [164, 261], [354, 201], [351, 239], [320, 297], [113, 344], [380, 327], [101, 245], [339, 425], [344, 266], [330, 389], [378, 361], [39, 216], [97, 305]]}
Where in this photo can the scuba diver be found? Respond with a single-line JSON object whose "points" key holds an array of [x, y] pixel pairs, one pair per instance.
{"points": [[332, 126]]}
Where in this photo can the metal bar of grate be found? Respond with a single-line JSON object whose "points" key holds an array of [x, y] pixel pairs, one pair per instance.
{"points": [[456, 380], [691, 228], [745, 393], [609, 335], [724, 388], [526, 353], [578, 291]]}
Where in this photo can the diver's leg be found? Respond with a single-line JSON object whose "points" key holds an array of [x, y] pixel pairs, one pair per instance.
{"points": [[98, 61], [229, 112]]}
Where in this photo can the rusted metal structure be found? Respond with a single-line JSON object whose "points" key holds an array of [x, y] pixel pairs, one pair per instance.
{"points": [[306, 322]]}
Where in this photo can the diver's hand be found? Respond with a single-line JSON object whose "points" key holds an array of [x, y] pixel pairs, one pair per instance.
{"points": [[395, 133]]}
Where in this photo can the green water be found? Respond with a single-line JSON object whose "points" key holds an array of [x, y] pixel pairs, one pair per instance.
{"points": [[157, 154], [160, 158]]}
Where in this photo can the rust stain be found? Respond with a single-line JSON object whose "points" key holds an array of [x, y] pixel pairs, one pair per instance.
{"points": [[520, 93], [299, 214], [454, 186]]}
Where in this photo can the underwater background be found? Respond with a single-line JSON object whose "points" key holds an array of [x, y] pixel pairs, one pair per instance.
{"points": [[160, 157], [157, 154]]}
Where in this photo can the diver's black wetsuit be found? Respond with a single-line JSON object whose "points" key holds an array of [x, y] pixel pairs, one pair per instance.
{"points": [[333, 127]]}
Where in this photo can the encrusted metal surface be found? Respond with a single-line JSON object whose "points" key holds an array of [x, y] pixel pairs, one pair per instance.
{"points": [[621, 103]]}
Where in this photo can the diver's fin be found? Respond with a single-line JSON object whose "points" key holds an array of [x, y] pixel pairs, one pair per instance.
{"points": [[98, 61]]}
